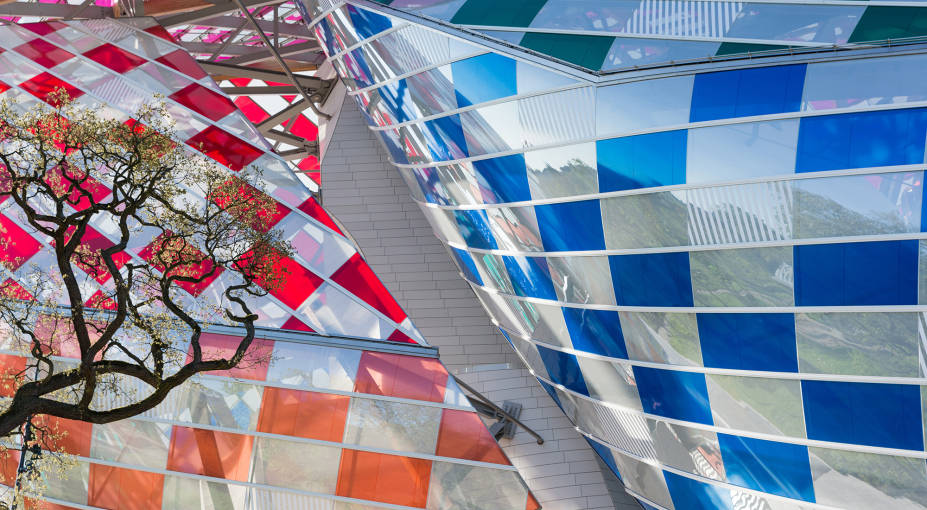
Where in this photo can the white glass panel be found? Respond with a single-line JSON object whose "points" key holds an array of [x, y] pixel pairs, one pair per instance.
{"points": [[562, 171], [865, 480], [755, 404], [198, 494], [392, 425], [463, 486], [641, 105], [645, 221], [139, 443], [741, 151], [296, 465], [582, 280], [864, 82], [610, 382], [314, 366], [692, 450], [742, 277], [223, 402], [662, 337]]}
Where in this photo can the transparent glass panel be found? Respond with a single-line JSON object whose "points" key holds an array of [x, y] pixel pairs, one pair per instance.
{"points": [[661, 337], [515, 228], [623, 429], [562, 171], [755, 404], [392, 425], [610, 382], [65, 480], [296, 465], [500, 312], [645, 221], [644, 479], [922, 272], [582, 280], [643, 105], [546, 323], [742, 277], [864, 82], [341, 314], [629, 52], [265, 499], [529, 352], [460, 183], [741, 151], [740, 214], [472, 487], [139, 443], [858, 205], [784, 22], [180, 492], [691, 450], [492, 271], [443, 224], [221, 402], [314, 366], [492, 129], [879, 344], [557, 117], [867, 480]]}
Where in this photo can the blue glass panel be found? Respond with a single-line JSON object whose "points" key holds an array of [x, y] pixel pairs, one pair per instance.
{"points": [[563, 369], [530, 276], [357, 66], [858, 140], [327, 37], [887, 415], [856, 274], [571, 226], [467, 266], [689, 494], [394, 146], [395, 96], [642, 161], [606, 454], [448, 136], [368, 23], [653, 279], [748, 341], [674, 394], [746, 92], [595, 331], [483, 78], [503, 179], [430, 183], [768, 466], [474, 227], [549, 389]]}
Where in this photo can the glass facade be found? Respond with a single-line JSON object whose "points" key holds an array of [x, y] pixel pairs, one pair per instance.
{"points": [[714, 271]]}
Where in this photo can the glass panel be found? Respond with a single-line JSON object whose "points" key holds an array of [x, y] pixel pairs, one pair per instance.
{"points": [[674, 394], [220, 402], [866, 480], [515, 228], [643, 105], [623, 429], [691, 450], [462, 486], [864, 82], [562, 171], [460, 183], [747, 92], [392, 425], [304, 466], [182, 492], [546, 323], [314, 366], [743, 277], [662, 337], [645, 221], [643, 478], [858, 205], [818, 23], [492, 129], [139, 443], [755, 404], [557, 117], [740, 214], [741, 151], [64, 480], [630, 52], [652, 279], [767, 466], [582, 280], [340, 314], [642, 161], [563, 369], [610, 382]]}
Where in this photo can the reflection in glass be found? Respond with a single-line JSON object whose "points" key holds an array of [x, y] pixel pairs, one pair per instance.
{"points": [[296, 465], [610, 382], [643, 105], [392, 425], [645, 221], [314, 366], [515, 228], [562, 171], [808, 23], [182, 492], [222, 402], [631, 52], [864, 82], [474, 487], [755, 404], [856, 480], [140, 443], [742, 277], [643, 478], [741, 151], [662, 337], [692, 450], [740, 214], [581, 280]]}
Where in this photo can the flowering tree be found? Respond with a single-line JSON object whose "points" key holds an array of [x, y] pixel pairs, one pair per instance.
{"points": [[136, 232]]}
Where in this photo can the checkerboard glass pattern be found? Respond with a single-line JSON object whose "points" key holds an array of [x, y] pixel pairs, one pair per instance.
{"points": [[716, 273]]}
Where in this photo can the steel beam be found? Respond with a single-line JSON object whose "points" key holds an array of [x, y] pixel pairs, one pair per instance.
{"points": [[53, 10], [224, 69], [280, 117], [267, 53], [286, 138], [285, 29], [267, 90], [218, 9]]}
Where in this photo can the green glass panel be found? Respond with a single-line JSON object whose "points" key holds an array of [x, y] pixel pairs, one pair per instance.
{"points": [[733, 48], [588, 51], [510, 13], [890, 22]]}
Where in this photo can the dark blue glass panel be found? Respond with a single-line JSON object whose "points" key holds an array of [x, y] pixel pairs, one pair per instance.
{"points": [[530, 276], [448, 138], [483, 78], [768, 466], [606, 454], [356, 64], [689, 494], [674, 394], [595, 331], [550, 391], [856, 274], [748, 341], [653, 279], [859, 140], [503, 179], [642, 161], [467, 266], [367, 23], [394, 146], [563, 369], [571, 226], [474, 227], [396, 98], [430, 184], [327, 37], [745, 92], [887, 415]]}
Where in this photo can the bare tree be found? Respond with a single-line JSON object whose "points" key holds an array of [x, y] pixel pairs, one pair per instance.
{"points": [[126, 306]]}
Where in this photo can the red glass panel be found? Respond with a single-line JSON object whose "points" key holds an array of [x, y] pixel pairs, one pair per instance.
{"points": [[16, 245], [313, 209], [43, 28], [99, 300], [161, 32], [119, 488], [357, 277], [3, 86], [181, 61], [11, 374], [266, 218], [200, 99], [90, 259], [253, 365], [399, 336], [299, 283], [34, 504], [63, 435], [252, 110], [114, 57], [13, 290], [464, 436], [9, 464], [210, 453], [297, 325], [532, 503], [303, 414], [225, 148], [195, 263], [386, 478], [402, 376], [62, 339], [43, 52], [76, 193], [303, 128], [42, 85]]}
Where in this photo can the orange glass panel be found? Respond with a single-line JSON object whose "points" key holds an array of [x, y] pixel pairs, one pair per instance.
{"points": [[464, 436], [532, 503], [9, 464], [11, 368], [210, 453], [401, 376], [124, 489], [63, 435], [34, 504], [303, 414], [386, 478], [253, 365]]}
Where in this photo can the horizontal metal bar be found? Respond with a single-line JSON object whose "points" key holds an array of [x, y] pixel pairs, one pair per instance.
{"points": [[282, 116], [54, 10], [285, 29], [267, 90], [209, 12], [286, 51], [238, 71]]}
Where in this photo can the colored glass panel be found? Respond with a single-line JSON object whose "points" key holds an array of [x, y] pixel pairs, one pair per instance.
{"points": [[587, 51], [483, 78], [642, 161], [530, 276], [595, 331], [466, 265], [655, 279], [225, 148], [673, 394], [357, 277], [18, 245], [205, 101], [303, 414], [489, 12], [563, 369], [254, 363], [401, 376], [44, 53], [44, 84], [210, 453], [474, 227], [464, 436], [695, 495], [746, 92], [180, 60], [776, 468], [748, 341], [124, 489], [890, 22], [571, 226], [503, 179], [114, 57], [386, 478]]}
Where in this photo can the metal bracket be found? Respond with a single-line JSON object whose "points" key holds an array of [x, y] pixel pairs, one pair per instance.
{"points": [[507, 415]]}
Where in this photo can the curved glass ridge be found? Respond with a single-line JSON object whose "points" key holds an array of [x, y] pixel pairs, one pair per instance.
{"points": [[715, 273]]}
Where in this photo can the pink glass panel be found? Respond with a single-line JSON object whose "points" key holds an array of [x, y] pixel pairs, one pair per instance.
{"points": [[357, 277], [225, 148], [202, 100], [114, 57], [402, 376], [43, 52]]}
